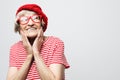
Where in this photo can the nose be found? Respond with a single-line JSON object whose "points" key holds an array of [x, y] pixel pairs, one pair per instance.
{"points": [[30, 22]]}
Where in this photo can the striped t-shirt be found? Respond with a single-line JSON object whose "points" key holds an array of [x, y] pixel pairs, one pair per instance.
{"points": [[52, 51]]}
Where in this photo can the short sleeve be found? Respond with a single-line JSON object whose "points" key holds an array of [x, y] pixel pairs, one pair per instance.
{"points": [[58, 54], [13, 57]]}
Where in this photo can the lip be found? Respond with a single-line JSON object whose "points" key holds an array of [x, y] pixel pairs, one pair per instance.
{"points": [[32, 28]]}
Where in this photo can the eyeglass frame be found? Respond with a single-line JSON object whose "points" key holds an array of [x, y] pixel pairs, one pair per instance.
{"points": [[28, 19]]}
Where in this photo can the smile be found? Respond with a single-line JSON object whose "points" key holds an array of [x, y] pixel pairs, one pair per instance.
{"points": [[29, 29]]}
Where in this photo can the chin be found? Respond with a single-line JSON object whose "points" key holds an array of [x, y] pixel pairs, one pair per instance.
{"points": [[32, 36]]}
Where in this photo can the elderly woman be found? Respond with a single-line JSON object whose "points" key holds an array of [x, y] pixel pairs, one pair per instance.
{"points": [[35, 57]]}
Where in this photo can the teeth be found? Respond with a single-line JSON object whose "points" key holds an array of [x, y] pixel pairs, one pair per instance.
{"points": [[31, 29]]}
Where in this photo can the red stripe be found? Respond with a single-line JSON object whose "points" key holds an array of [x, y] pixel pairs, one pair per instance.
{"points": [[52, 52]]}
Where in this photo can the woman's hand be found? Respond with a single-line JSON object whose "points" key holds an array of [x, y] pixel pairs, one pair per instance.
{"points": [[38, 41], [35, 47], [26, 43]]}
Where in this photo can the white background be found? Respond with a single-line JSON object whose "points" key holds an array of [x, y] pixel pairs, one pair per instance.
{"points": [[90, 30]]}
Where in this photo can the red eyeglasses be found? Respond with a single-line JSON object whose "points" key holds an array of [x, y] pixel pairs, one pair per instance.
{"points": [[25, 19]]}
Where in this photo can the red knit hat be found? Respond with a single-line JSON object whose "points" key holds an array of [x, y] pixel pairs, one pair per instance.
{"points": [[37, 9]]}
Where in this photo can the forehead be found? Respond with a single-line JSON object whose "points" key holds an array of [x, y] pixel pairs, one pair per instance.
{"points": [[25, 13]]}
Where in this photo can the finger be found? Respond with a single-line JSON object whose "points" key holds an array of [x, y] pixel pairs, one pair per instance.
{"points": [[23, 35], [24, 38], [40, 32]]}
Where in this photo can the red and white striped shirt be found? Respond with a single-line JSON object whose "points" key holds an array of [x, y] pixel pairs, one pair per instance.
{"points": [[52, 51]]}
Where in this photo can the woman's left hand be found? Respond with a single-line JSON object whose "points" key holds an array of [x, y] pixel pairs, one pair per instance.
{"points": [[38, 41]]}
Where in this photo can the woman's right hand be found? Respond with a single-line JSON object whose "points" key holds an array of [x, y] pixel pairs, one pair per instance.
{"points": [[26, 43]]}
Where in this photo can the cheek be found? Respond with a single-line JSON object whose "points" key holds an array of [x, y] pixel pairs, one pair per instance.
{"points": [[38, 26], [22, 27]]}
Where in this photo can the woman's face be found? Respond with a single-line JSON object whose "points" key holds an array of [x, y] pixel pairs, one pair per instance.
{"points": [[29, 23]]}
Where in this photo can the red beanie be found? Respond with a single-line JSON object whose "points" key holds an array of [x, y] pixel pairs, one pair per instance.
{"points": [[37, 9]]}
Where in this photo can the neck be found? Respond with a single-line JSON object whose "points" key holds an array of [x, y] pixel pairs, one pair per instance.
{"points": [[31, 40]]}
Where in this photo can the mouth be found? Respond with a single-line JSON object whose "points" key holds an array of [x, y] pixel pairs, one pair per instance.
{"points": [[31, 29]]}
